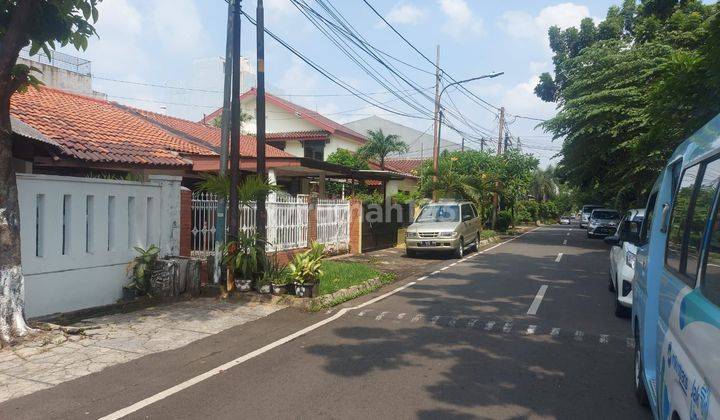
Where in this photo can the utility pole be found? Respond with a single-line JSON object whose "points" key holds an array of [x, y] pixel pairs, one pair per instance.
{"points": [[261, 212], [462, 145], [507, 143], [499, 152], [436, 119], [224, 133], [482, 144], [234, 129]]}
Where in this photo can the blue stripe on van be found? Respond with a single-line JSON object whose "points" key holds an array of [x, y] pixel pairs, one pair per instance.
{"points": [[695, 308]]}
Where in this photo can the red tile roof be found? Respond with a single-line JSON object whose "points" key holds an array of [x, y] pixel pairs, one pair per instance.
{"points": [[308, 115], [96, 130], [299, 135], [208, 134], [406, 166]]}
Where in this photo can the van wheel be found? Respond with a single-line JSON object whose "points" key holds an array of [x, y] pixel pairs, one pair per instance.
{"points": [[640, 391], [460, 251], [621, 311], [476, 246]]}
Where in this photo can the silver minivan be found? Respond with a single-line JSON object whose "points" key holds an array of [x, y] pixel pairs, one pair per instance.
{"points": [[444, 226]]}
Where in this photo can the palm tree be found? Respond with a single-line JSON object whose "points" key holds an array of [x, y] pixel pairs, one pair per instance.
{"points": [[379, 146], [545, 184]]}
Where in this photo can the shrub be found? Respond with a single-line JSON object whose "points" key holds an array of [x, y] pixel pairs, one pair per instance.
{"points": [[504, 219], [306, 267]]}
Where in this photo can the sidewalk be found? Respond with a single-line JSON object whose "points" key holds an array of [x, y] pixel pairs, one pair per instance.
{"points": [[51, 358]]}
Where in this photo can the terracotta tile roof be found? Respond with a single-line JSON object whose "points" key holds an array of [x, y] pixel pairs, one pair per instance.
{"points": [[209, 135], [97, 130], [311, 116], [406, 166], [299, 135]]}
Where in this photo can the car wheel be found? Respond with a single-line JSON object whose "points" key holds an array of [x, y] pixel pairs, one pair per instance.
{"points": [[476, 246], [640, 391], [411, 253], [621, 311], [611, 284], [460, 251]]}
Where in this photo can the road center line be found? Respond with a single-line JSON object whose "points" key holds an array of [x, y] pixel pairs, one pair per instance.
{"points": [[535, 305], [559, 257], [565, 242], [277, 343]]}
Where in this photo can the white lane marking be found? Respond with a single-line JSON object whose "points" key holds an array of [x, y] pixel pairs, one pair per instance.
{"points": [[382, 314], [567, 234], [472, 322], [401, 316], [277, 343], [445, 268], [421, 278], [417, 318], [362, 313], [579, 335], [507, 327], [555, 332], [452, 322], [434, 319], [604, 338], [565, 242], [453, 264], [531, 329], [535, 305], [434, 272], [559, 257], [489, 326]]}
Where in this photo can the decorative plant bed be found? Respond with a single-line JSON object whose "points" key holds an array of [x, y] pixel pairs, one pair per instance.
{"points": [[307, 290], [243, 285], [280, 289]]}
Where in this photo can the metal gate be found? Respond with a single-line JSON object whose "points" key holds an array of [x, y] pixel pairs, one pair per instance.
{"points": [[333, 223]]}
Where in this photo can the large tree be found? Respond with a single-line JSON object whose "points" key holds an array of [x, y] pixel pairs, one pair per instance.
{"points": [[380, 145], [41, 24], [629, 91]]}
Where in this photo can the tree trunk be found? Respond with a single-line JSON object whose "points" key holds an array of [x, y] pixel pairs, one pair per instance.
{"points": [[12, 283]]}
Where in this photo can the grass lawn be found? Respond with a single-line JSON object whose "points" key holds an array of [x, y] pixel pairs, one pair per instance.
{"points": [[339, 275], [487, 233]]}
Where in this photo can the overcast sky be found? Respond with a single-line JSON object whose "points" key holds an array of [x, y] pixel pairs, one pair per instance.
{"points": [[178, 43]]}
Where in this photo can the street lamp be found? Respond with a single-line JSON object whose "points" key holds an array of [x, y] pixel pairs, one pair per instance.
{"points": [[436, 143]]}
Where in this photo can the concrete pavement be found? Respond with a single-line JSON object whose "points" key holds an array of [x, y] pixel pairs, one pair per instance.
{"points": [[456, 344]]}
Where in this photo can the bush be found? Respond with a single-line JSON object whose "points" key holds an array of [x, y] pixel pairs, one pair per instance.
{"points": [[504, 219]]}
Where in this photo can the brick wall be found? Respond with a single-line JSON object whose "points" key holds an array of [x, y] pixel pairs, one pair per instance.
{"points": [[185, 221], [355, 227]]}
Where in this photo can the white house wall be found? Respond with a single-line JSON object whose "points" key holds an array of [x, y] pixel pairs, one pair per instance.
{"points": [[338, 142], [394, 186], [78, 234]]}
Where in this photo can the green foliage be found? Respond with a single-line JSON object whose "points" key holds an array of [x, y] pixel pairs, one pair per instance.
{"points": [[142, 269], [504, 220], [242, 255], [217, 121], [273, 272], [380, 145], [338, 275], [249, 189], [306, 267], [347, 158], [630, 92], [374, 197], [403, 197]]}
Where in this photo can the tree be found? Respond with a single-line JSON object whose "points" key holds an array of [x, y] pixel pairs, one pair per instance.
{"points": [[347, 158], [379, 146], [244, 117], [42, 25], [544, 184]]}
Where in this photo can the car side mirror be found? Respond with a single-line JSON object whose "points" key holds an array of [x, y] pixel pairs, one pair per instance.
{"points": [[613, 240], [630, 232]]}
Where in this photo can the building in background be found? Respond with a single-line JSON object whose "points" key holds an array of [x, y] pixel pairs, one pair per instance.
{"points": [[61, 71]]}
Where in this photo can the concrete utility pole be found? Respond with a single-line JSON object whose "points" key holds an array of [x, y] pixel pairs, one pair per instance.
{"points": [[436, 119], [261, 212], [224, 134], [500, 131], [462, 144], [235, 127]]}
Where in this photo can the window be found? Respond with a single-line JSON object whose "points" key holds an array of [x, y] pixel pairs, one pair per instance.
{"points": [[466, 212], [690, 213], [474, 210], [439, 213], [314, 150], [710, 286], [647, 222]]}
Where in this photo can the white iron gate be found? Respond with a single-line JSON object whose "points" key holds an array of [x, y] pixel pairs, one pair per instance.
{"points": [[333, 223], [287, 222]]}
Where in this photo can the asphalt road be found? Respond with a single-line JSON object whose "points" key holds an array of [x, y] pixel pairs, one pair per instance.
{"points": [[457, 344]]}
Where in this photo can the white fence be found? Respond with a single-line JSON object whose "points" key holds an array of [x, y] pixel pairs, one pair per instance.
{"points": [[333, 223], [78, 234], [287, 222]]}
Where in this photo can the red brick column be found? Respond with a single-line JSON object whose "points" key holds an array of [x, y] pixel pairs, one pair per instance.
{"points": [[185, 221], [312, 220], [355, 226]]}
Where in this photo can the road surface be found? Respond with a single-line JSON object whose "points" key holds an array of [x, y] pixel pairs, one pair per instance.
{"points": [[524, 329]]}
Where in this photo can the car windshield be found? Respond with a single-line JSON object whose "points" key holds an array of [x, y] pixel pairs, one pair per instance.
{"points": [[439, 213], [605, 215]]}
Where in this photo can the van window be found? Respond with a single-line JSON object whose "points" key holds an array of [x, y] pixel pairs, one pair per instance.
{"points": [[700, 214], [678, 220], [710, 285], [467, 213], [647, 222]]}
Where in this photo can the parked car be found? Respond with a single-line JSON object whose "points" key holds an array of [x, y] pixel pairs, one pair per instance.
{"points": [[564, 220], [444, 226], [602, 222], [676, 296], [585, 213], [623, 251]]}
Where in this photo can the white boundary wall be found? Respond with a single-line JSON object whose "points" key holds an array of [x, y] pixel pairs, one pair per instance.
{"points": [[78, 236]]}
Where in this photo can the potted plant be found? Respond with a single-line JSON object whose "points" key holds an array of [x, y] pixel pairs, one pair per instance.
{"points": [[306, 269], [241, 258], [140, 272]]}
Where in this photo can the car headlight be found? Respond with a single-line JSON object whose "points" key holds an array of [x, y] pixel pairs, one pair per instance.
{"points": [[449, 234], [411, 235], [630, 259], [593, 223]]}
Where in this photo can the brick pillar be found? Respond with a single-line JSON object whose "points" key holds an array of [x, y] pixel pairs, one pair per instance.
{"points": [[312, 220], [185, 221], [355, 226]]}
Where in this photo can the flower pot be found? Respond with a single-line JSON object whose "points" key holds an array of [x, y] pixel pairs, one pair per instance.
{"points": [[243, 285], [306, 290], [279, 289], [264, 289], [129, 294]]}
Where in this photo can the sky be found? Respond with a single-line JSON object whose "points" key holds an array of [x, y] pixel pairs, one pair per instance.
{"points": [[165, 56]]}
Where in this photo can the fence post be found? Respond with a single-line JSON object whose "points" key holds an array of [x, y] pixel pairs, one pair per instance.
{"points": [[356, 214], [185, 221], [170, 213], [312, 220]]}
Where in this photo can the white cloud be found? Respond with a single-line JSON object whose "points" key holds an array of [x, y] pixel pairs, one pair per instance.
{"points": [[521, 99], [406, 14], [460, 19], [177, 26], [523, 25]]}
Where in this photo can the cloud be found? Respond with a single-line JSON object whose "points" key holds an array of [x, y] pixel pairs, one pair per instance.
{"points": [[460, 19], [521, 99], [523, 25], [405, 14], [176, 25]]}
